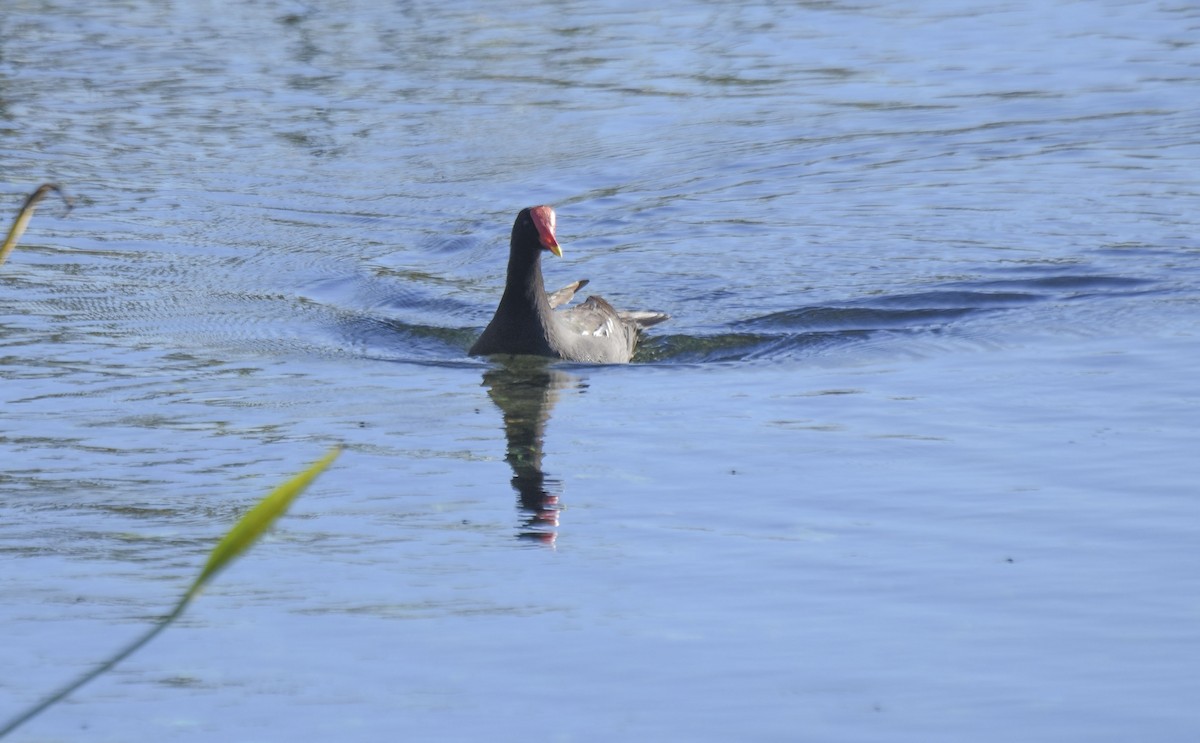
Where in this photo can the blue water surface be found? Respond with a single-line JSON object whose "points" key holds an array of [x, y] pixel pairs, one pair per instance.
{"points": [[914, 460]]}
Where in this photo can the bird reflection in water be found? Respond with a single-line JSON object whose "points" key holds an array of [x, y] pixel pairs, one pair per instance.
{"points": [[525, 388]]}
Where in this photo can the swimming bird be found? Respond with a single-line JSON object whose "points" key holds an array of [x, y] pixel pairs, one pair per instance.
{"points": [[527, 321]]}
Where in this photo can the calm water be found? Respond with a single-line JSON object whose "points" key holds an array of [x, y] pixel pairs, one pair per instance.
{"points": [[914, 460]]}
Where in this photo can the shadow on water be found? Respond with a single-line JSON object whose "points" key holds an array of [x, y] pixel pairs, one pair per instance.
{"points": [[525, 390]]}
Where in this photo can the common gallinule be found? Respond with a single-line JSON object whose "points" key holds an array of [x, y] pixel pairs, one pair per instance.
{"points": [[526, 321]]}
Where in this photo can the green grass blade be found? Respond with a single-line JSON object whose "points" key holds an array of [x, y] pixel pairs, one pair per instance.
{"points": [[251, 526], [238, 540], [22, 221]]}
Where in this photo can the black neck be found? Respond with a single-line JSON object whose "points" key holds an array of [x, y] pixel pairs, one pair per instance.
{"points": [[525, 291]]}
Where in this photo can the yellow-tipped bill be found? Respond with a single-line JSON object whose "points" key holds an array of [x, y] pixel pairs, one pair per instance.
{"points": [[543, 220]]}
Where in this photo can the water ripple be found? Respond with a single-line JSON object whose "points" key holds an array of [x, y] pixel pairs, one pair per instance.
{"points": [[904, 320]]}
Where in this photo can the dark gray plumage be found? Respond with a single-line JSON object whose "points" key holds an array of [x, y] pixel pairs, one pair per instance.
{"points": [[526, 321]]}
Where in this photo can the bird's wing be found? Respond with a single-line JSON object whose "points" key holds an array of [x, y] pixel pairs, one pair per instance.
{"points": [[595, 317], [565, 294]]}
